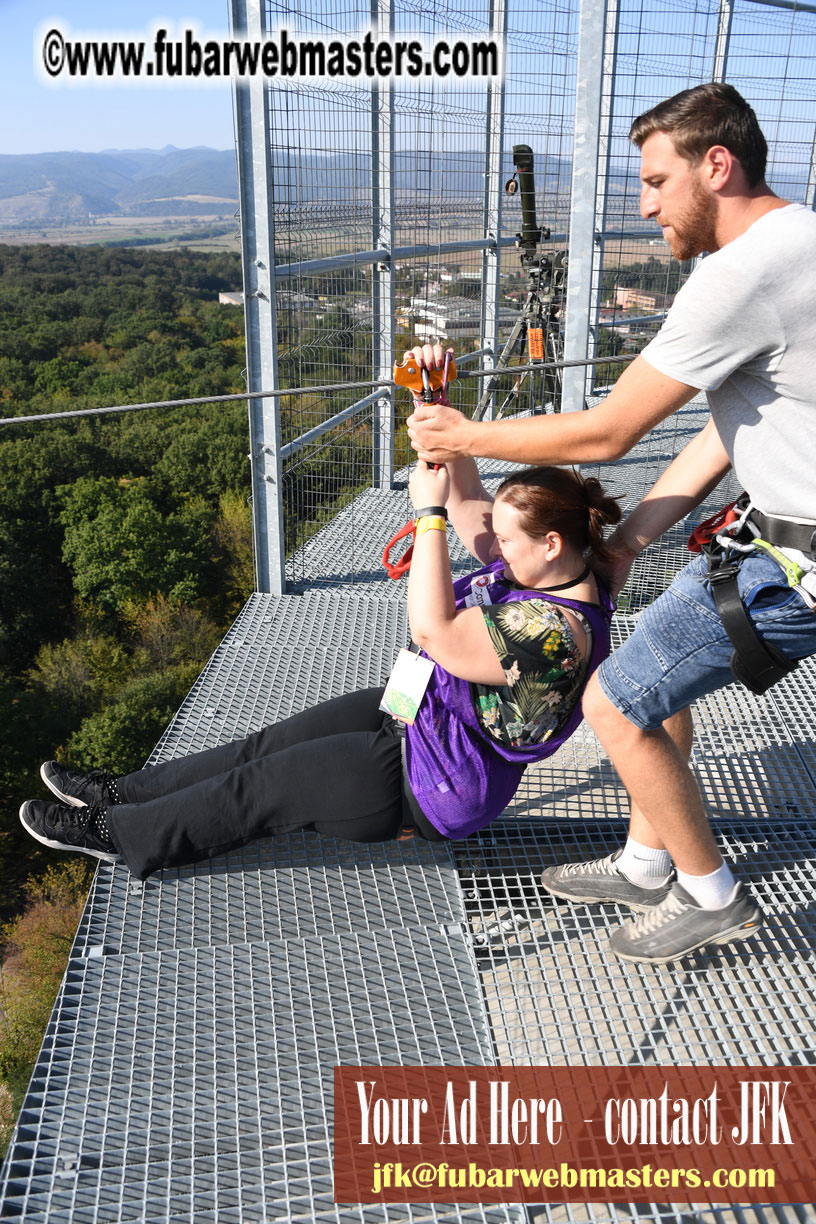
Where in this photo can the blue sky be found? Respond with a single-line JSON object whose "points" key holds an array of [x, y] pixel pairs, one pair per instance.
{"points": [[39, 119]]}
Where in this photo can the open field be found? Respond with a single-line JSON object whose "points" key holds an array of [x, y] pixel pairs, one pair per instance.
{"points": [[141, 231]]}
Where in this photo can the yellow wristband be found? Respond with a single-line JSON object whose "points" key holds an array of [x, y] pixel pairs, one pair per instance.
{"points": [[430, 522]]}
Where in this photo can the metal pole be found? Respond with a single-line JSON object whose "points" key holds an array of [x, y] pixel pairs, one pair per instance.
{"points": [[382, 275], [798, 6], [493, 195], [723, 39], [720, 67], [333, 263], [260, 309], [583, 204], [810, 194], [602, 189]]}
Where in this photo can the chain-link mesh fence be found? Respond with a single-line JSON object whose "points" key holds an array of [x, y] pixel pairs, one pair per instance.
{"points": [[391, 225]]}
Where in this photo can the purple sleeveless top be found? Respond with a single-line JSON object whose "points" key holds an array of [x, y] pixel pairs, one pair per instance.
{"points": [[460, 777]]}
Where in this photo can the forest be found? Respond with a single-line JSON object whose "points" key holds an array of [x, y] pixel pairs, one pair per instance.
{"points": [[125, 554]]}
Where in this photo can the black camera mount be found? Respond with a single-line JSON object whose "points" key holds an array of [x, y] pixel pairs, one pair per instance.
{"points": [[538, 324]]}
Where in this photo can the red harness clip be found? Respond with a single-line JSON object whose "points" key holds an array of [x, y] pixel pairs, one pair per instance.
{"points": [[708, 529]]}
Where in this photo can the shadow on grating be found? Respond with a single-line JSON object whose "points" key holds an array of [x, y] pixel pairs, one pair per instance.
{"points": [[284, 888]]}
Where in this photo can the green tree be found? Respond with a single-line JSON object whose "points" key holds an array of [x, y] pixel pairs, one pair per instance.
{"points": [[119, 736], [122, 545], [166, 633], [74, 673], [233, 542], [35, 587]]}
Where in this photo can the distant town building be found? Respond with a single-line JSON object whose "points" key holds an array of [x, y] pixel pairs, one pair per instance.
{"points": [[230, 299], [639, 299], [288, 299], [447, 318]]}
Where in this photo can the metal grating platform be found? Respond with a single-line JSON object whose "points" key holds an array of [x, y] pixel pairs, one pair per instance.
{"points": [[282, 889], [186, 1073], [199, 1084], [348, 552]]}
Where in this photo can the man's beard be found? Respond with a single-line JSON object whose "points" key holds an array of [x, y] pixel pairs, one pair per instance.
{"points": [[693, 232]]}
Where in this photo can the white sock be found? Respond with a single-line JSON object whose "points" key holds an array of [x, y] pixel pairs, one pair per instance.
{"points": [[711, 892], [642, 865]]}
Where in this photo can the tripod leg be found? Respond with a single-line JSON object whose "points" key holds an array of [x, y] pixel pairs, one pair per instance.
{"points": [[510, 405], [504, 360], [554, 351]]}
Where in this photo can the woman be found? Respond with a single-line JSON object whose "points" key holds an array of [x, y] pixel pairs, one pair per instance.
{"points": [[512, 646]]}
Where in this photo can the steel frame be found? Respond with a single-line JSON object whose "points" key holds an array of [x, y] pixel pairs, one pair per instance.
{"points": [[382, 197], [260, 307], [493, 196], [592, 118]]}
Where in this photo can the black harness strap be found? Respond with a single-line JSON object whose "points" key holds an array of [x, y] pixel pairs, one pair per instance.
{"points": [[408, 826], [755, 663], [784, 533]]}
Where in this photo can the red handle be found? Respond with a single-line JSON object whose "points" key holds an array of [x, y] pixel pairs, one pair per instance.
{"points": [[397, 569]]}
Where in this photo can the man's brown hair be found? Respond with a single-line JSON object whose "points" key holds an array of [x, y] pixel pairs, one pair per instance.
{"points": [[707, 115]]}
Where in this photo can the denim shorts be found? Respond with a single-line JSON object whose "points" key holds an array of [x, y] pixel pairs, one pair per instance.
{"points": [[679, 650]]}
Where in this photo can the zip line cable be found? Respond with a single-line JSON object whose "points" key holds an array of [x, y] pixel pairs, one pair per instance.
{"points": [[237, 396]]}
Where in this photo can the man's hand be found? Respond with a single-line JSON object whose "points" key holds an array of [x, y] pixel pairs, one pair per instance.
{"points": [[439, 433]]}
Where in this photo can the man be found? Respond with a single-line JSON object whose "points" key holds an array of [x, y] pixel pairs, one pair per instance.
{"points": [[743, 329]]}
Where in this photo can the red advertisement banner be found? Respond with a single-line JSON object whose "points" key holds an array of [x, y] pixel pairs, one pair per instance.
{"points": [[701, 1135]]}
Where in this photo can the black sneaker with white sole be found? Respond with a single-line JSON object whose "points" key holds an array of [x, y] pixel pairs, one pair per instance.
{"points": [[679, 925], [63, 827], [600, 880], [78, 789]]}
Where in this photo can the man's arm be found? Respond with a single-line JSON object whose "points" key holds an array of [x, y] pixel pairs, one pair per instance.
{"points": [[697, 470], [686, 482], [641, 398]]}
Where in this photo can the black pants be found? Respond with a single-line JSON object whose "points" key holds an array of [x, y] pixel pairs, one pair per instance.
{"points": [[335, 769]]}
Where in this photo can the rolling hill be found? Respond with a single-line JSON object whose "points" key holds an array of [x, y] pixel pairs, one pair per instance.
{"points": [[67, 187]]}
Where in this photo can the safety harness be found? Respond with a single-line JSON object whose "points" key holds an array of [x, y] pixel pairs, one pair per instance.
{"points": [[427, 387], [726, 539]]}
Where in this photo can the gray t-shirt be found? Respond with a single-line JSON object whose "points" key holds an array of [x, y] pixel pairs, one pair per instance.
{"points": [[743, 329]]}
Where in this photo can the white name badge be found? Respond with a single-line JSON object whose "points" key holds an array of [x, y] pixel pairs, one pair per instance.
{"points": [[479, 590], [406, 686]]}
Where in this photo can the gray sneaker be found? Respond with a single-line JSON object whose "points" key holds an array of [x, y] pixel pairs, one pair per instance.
{"points": [[600, 880], [679, 926]]}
